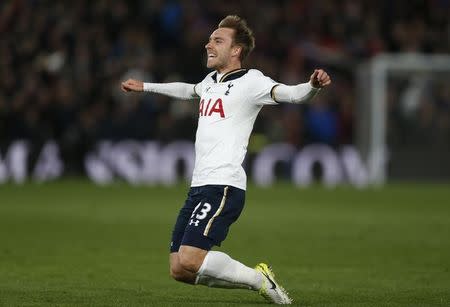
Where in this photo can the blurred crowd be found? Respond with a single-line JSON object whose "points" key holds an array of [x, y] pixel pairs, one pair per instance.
{"points": [[61, 63]]}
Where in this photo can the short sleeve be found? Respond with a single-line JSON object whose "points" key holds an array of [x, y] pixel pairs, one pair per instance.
{"points": [[261, 89]]}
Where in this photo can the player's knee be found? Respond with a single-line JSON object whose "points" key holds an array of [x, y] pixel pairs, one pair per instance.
{"points": [[177, 273], [189, 263]]}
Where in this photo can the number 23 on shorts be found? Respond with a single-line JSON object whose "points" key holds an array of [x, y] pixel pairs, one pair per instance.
{"points": [[203, 213]]}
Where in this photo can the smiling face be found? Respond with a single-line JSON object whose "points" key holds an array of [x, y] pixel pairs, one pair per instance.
{"points": [[222, 54]]}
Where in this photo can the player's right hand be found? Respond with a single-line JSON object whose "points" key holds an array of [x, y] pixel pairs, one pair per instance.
{"points": [[132, 85]]}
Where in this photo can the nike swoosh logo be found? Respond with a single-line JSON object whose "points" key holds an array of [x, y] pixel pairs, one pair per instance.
{"points": [[274, 286]]}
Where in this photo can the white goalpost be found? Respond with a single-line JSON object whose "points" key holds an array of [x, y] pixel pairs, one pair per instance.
{"points": [[372, 94]]}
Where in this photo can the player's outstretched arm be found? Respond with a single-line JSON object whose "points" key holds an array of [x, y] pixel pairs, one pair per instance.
{"points": [[178, 90], [302, 92]]}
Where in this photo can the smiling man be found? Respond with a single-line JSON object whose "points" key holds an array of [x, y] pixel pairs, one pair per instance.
{"points": [[230, 100]]}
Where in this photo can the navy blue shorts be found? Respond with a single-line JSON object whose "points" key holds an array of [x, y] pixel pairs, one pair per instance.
{"points": [[206, 216]]}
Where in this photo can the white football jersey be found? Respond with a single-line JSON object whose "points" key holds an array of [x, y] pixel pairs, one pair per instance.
{"points": [[227, 111]]}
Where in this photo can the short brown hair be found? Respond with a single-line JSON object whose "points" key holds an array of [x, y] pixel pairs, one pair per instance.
{"points": [[243, 35]]}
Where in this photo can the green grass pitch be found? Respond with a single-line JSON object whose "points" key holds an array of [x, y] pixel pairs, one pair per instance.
{"points": [[71, 243]]}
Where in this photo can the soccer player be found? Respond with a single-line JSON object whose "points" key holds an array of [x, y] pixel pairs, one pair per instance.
{"points": [[230, 99]]}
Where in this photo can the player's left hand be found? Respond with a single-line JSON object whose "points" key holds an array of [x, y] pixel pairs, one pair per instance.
{"points": [[319, 78]]}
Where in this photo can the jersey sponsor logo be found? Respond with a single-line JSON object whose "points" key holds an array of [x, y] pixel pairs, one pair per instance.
{"points": [[216, 107]]}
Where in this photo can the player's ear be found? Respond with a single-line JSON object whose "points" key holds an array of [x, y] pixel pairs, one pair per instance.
{"points": [[236, 50]]}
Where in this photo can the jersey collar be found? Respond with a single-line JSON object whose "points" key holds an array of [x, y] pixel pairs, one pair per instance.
{"points": [[231, 75]]}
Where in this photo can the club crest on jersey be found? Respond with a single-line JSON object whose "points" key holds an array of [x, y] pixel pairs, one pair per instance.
{"points": [[211, 108], [230, 85]]}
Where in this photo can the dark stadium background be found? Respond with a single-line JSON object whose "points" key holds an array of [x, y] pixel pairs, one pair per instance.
{"points": [[61, 64]]}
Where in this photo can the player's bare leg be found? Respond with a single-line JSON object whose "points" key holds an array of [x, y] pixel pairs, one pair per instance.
{"points": [[216, 269], [185, 264], [178, 272]]}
